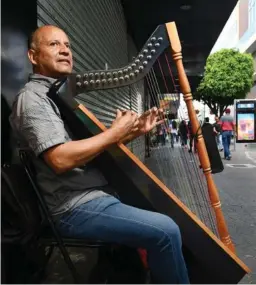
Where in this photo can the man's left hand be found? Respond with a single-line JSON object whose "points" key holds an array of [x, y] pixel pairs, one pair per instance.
{"points": [[146, 122], [149, 120]]}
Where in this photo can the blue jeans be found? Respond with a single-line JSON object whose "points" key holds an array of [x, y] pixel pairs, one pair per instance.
{"points": [[219, 141], [226, 139], [109, 220]]}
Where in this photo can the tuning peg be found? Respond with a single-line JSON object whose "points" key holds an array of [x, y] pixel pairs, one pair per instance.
{"points": [[130, 68], [126, 77], [140, 56], [86, 83], [157, 45], [92, 82], [150, 45], [109, 80], [133, 65], [149, 57], [91, 75], [97, 81], [153, 39], [86, 76], [97, 74], [115, 80], [102, 74], [145, 63], [131, 74], [120, 72], [121, 78], [78, 77], [145, 51], [153, 51], [108, 74], [137, 61], [78, 84], [160, 39], [136, 72], [104, 81], [141, 68]]}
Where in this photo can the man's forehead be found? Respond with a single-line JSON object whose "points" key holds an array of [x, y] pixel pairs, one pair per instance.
{"points": [[51, 34]]}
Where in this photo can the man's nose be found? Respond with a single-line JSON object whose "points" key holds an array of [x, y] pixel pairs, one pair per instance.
{"points": [[64, 49]]}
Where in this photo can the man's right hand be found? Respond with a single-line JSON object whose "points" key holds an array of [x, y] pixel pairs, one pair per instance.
{"points": [[125, 123]]}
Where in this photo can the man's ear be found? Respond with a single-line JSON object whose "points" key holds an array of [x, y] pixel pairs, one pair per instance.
{"points": [[32, 56]]}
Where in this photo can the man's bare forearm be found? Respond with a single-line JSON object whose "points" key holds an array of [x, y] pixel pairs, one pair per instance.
{"points": [[73, 154]]}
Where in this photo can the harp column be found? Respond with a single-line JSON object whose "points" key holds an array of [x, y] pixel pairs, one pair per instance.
{"points": [[202, 152]]}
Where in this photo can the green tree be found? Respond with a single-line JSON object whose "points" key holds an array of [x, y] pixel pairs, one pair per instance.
{"points": [[228, 76]]}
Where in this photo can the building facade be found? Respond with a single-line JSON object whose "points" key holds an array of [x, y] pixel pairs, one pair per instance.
{"points": [[240, 33]]}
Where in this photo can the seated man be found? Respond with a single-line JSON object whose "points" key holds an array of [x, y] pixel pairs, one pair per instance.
{"points": [[74, 191]]}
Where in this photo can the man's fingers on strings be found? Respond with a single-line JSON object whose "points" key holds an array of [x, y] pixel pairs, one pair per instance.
{"points": [[135, 130], [161, 122], [161, 118], [154, 110], [136, 123], [145, 114], [161, 112]]}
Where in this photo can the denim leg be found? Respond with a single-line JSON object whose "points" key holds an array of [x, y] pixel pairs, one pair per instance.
{"points": [[225, 144], [229, 141], [220, 141], [109, 220]]}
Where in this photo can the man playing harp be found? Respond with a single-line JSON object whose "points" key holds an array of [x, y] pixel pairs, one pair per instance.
{"points": [[73, 190]]}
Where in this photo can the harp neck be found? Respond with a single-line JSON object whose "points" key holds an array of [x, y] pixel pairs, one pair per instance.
{"points": [[126, 75]]}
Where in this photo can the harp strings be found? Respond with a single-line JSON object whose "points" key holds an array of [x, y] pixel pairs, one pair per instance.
{"points": [[169, 171], [173, 157], [177, 167], [170, 154], [198, 174]]}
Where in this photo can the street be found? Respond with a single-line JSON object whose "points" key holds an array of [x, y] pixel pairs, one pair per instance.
{"points": [[237, 189]]}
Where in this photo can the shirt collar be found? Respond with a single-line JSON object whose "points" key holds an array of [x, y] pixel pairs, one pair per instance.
{"points": [[41, 79]]}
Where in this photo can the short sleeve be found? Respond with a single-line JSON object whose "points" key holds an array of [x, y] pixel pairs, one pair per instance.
{"points": [[41, 126]]}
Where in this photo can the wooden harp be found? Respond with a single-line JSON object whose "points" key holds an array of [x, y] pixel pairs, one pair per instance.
{"points": [[209, 259]]}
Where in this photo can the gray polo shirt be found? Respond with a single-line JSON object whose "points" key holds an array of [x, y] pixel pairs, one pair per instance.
{"points": [[37, 124]]}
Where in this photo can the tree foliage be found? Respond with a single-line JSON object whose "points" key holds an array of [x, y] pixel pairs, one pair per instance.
{"points": [[228, 76]]}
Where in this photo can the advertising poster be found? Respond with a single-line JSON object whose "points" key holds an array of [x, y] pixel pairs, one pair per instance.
{"points": [[245, 124]]}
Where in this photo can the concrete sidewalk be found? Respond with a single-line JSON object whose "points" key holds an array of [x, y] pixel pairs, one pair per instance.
{"points": [[250, 152], [237, 190]]}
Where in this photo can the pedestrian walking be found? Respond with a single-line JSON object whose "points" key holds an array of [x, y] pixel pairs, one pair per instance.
{"points": [[227, 129]]}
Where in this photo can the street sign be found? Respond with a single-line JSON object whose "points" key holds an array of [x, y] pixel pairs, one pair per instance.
{"points": [[245, 116]]}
